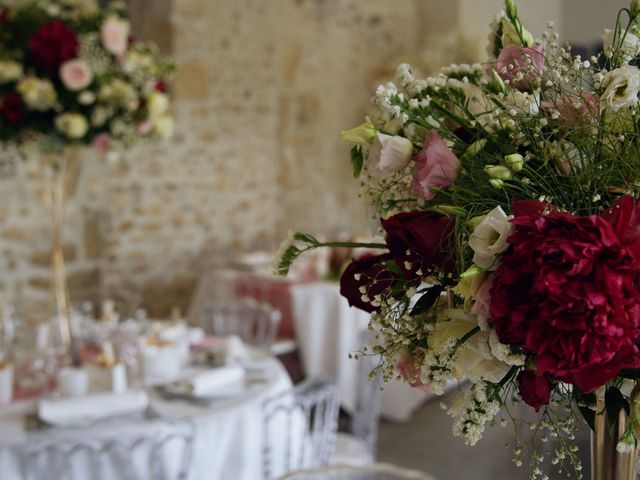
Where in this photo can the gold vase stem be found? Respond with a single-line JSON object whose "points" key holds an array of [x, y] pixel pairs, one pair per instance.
{"points": [[606, 462]]}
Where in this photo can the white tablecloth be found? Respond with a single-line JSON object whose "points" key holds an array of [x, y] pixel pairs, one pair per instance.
{"points": [[228, 441], [328, 330]]}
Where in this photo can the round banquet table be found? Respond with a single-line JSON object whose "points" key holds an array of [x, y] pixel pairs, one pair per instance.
{"points": [[227, 441], [380, 471]]}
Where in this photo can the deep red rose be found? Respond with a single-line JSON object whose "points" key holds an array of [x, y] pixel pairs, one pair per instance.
{"points": [[52, 44], [371, 273], [4, 15], [11, 108], [567, 292], [161, 86], [534, 389], [420, 242]]}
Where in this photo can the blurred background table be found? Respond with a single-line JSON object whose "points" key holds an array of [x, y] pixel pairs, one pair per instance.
{"points": [[379, 471]]}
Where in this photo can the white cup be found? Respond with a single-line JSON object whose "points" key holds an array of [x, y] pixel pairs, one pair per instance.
{"points": [[161, 364], [6, 384], [73, 382]]}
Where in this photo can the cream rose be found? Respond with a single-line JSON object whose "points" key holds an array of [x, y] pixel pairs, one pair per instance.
{"points": [[388, 155], [622, 87], [157, 105], [114, 35], [72, 125], [164, 126], [76, 74], [489, 238], [10, 71]]}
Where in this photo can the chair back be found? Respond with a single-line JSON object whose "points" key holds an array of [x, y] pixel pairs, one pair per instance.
{"points": [[255, 323], [365, 418], [148, 450], [300, 427]]}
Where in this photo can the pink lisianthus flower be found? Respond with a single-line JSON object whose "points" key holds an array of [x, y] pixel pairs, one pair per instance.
{"points": [[572, 112], [76, 74], [521, 66], [408, 368], [436, 166], [101, 143], [482, 304]]}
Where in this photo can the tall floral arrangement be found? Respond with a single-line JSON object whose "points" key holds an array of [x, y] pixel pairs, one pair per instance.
{"points": [[72, 74], [508, 198]]}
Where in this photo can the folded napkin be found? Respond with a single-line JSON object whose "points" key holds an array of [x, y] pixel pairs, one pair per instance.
{"points": [[204, 383], [76, 410]]}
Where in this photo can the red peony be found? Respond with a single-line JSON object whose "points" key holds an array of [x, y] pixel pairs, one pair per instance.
{"points": [[567, 292], [420, 242], [12, 108], [52, 44], [370, 274], [534, 389]]}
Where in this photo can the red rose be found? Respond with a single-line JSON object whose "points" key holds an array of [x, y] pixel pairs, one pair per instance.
{"points": [[534, 389], [4, 15], [421, 242], [12, 108], [369, 273], [567, 292], [52, 44]]}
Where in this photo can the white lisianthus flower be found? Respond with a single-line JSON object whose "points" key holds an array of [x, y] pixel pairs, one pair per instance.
{"points": [[72, 125], [10, 71], [522, 102], [38, 94], [630, 46], [473, 359], [388, 155], [489, 238], [157, 105], [621, 88]]}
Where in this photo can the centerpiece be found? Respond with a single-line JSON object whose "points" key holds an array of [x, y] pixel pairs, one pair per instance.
{"points": [[72, 76], [508, 198]]}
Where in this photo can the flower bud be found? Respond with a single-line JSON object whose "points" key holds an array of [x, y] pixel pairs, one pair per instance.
{"points": [[497, 84], [515, 161], [475, 148], [448, 210], [635, 8], [496, 183], [472, 272], [363, 134], [512, 11], [498, 172]]}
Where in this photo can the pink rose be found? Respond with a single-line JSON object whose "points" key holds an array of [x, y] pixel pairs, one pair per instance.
{"points": [[407, 367], [76, 74], [435, 166], [102, 142], [115, 36], [524, 62]]}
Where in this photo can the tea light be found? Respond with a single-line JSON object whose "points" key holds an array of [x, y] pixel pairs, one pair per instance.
{"points": [[6, 383], [107, 376], [73, 382]]}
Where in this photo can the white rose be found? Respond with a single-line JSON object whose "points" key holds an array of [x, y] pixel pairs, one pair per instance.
{"points": [[622, 86], [489, 238], [388, 155], [114, 35], [157, 104], [10, 71], [474, 358], [630, 44], [72, 125]]}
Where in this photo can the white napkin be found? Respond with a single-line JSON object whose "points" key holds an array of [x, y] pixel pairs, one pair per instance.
{"points": [[70, 411], [233, 350], [203, 383]]}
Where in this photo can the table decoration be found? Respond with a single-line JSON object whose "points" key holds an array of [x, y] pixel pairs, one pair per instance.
{"points": [[161, 360], [73, 381], [71, 76], [508, 196], [106, 373]]}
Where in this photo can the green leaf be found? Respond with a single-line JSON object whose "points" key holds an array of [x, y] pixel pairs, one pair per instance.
{"points": [[589, 417], [357, 159], [613, 402], [426, 301]]}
